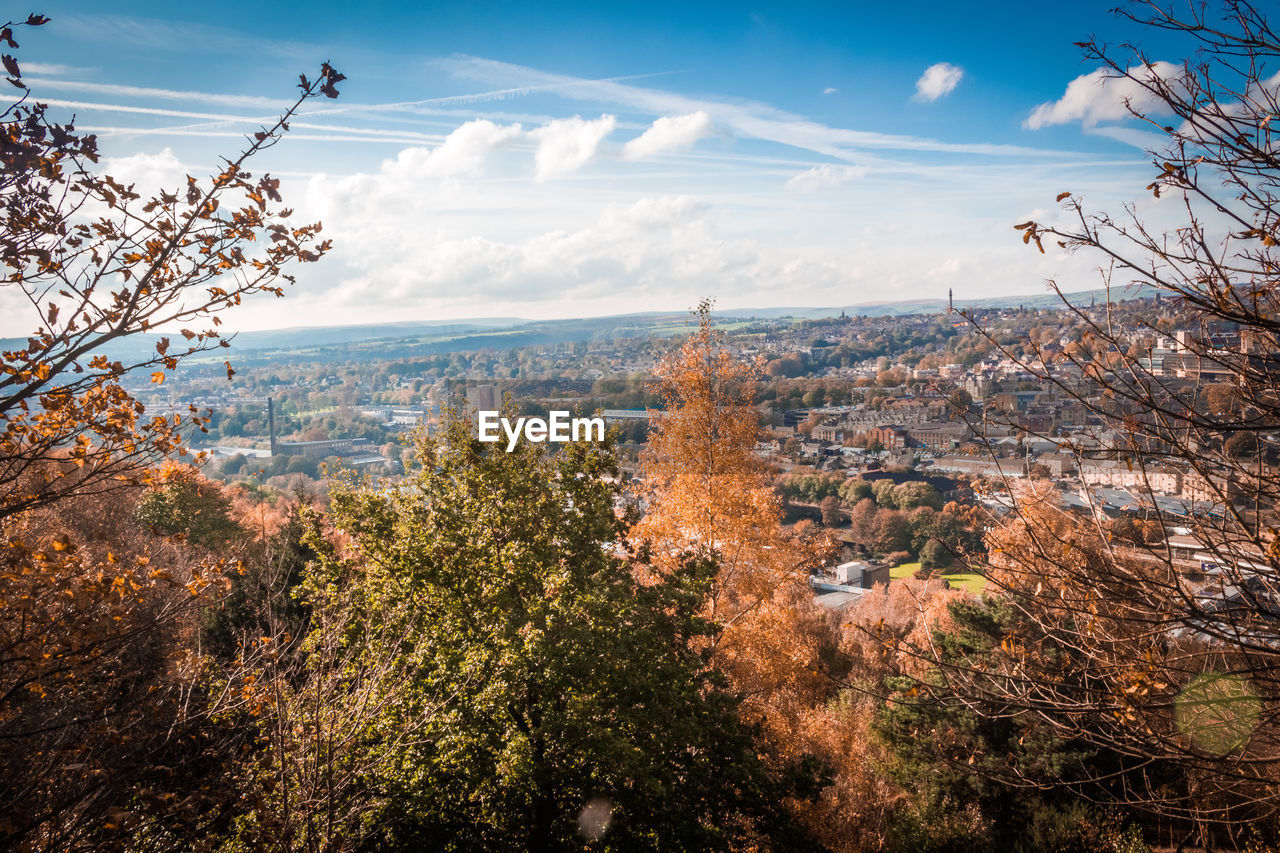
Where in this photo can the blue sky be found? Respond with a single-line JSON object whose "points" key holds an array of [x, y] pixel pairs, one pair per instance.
{"points": [[546, 160]]}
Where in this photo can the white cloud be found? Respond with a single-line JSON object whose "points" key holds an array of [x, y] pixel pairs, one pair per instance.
{"points": [[745, 118], [830, 90], [668, 134], [52, 68], [938, 79], [1143, 140], [457, 225], [211, 121], [825, 175], [149, 173], [659, 247], [118, 90], [1096, 96], [566, 145], [463, 152], [408, 244]]}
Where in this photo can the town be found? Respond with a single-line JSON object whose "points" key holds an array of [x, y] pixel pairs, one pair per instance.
{"points": [[843, 400]]}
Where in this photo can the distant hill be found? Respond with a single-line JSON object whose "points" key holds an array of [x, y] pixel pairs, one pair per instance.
{"points": [[322, 335], [431, 337], [903, 307]]}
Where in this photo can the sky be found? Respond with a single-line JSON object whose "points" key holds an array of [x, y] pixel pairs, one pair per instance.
{"points": [[562, 159]]}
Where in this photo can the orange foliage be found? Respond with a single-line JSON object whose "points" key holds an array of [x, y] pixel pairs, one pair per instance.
{"points": [[883, 634], [852, 813], [99, 263], [96, 633], [707, 493], [102, 713]]}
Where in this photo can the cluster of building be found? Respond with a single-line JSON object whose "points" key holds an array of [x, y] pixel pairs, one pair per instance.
{"points": [[1015, 422], [838, 587]]}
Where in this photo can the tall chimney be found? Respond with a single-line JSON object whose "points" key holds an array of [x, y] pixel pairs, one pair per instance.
{"points": [[271, 424]]}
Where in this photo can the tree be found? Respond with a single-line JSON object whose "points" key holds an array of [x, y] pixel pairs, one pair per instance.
{"points": [[113, 736], [963, 768], [854, 490], [890, 532], [958, 402], [883, 492], [862, 522], [1181, 667], [709, 496], [261, 600], [181, 502], [831, 514], [507, 680], [934, 555], [908, 496], [97, 263]]}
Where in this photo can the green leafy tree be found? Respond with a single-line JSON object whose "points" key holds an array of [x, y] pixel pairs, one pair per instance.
{"points": [[960, 763], [183, 503], [854, 490], [918, 493], [540, 696], [934, 555]]}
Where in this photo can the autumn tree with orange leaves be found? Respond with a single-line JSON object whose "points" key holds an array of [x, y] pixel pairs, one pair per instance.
{"points": [[95, 262], [112, 734], [1159, 645], [707, 494]]}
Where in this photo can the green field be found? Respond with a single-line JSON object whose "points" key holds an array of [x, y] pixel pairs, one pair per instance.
{"points": [[968, 581], [905, 570], [685, 327]]}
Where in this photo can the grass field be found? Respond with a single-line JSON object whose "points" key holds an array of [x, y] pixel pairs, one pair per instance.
{"points": [[968, 581], [905, 570], [684, 328]]}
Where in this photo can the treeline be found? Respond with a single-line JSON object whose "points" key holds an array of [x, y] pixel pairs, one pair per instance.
{"points": [[250, 421], [893, 521]]}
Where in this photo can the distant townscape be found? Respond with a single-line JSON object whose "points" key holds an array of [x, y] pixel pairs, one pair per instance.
{"points": [[842, 394]]}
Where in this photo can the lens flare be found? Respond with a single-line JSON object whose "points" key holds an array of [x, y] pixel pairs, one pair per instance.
{"points": [[595, 818], [1218, 712]]}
